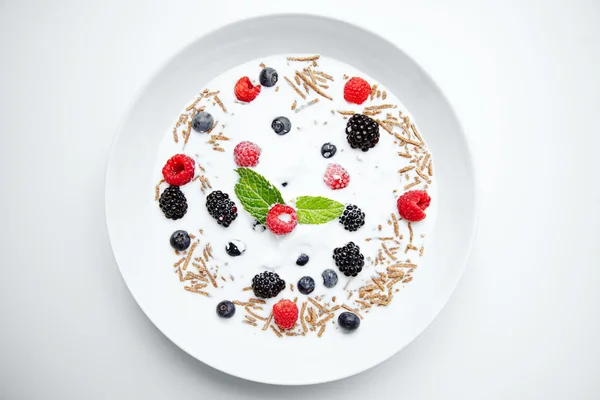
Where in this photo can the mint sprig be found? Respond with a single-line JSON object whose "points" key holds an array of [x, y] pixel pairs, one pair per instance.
{"points": [[317, 209], [256, 193]]}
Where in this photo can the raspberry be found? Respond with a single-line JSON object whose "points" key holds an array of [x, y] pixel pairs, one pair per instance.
{"points": [[267, 284], [246, 154], [278, 225], [357, 90], [285, 313], [362, 132], [411, 205], [178, 170], [244, 91], [336, 177]]}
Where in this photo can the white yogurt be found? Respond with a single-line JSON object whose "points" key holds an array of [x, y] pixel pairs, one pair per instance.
{"points": [[294, 158]]}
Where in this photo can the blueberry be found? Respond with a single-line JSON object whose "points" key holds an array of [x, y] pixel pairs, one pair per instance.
{"points": [[302, 260], [258, 227], [235, 248], [268, 77], [225, 309], [202, 121], [306, 285], [284, 184], [330, 278], [348, 321], [180, 240], [281, 125], [328, 150]]}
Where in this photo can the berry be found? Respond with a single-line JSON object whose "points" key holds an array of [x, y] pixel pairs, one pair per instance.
{"points": [[349, 259], [180, 240], [357, 90], [412, 204], [279, 225], [284, 184], [362, 132], [336, 177], [172, 202], [244, 91], [330, 278], [306, 285], [225, 309], [268, 77], [221, 208], [202, 121], [235, 248], [285, 313], [328, 150], [178, 170], [267, 284], [246, 154], [258, 227], [302, 260], [352, 218], [281, 125], [348, 321]]}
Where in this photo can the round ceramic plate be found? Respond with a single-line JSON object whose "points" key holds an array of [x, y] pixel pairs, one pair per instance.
{"points": [[250, 353]]}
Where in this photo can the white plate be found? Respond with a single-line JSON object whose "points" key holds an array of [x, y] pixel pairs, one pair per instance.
{"points": [[255, 355]]}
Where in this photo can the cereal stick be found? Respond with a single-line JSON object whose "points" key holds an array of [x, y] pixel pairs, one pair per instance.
{"points": [[379, 94], [249, 311], [383, 95], [430, 168], [212, 127], [294, 105], [305, 87], [423, 175], [262, 65], [189, 256], [324, 320], [410, 247], [395, 222], [416, 132], [259, 301], [387, 251], [345, 307], [406, 169], [222, 150], [310, 103], [324, 75], [297, 80], [405, 155], [175, 138], [376, 281], [302, 317], [186, 133], [249, 318], [310, 75], [321, 331], [294, 87], [394, 281], [384, 126], [401, 265], [276, 331], [333, 299], [373, 91], [308, 58], [268, 322], [415, 183], [190, 289], [425, 161], [178, 263], [247, 288], [249, 323], [348, 112], [312, 86], [371, 113], [380, 107], [421, 251]]}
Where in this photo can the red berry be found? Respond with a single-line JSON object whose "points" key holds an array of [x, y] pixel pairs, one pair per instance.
{"points": [[336, 177], [285, 313], [246, 154], [357, 90], [178, 170], [411, 205], [280, 226], [244, 91]]}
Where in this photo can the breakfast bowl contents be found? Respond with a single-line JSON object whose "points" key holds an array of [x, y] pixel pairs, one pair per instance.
{"points": [[300, 194]]}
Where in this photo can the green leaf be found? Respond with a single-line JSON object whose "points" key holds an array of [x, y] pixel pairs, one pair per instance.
{"points": [[256, 193], [317, 210]]}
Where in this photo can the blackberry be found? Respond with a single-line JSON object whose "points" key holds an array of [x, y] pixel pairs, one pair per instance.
{"points": [[173, 203], [362, 132], [349, 259], [352, 218], [267, 284], [221, 208]]}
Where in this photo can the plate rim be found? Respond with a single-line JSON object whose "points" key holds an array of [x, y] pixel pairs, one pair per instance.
{"points": [[256, 19]]}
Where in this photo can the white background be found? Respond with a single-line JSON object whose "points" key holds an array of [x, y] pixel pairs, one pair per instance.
{"points": [[524, 78]]}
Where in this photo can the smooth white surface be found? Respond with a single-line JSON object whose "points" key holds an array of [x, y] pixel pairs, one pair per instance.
{"points": [[523, 323], [138, 231]]}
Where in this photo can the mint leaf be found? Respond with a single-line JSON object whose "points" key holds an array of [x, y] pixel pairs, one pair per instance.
{"points": [[256, 193], [317, 210]]}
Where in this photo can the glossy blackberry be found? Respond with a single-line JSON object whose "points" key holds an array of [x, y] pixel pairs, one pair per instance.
{"points": [[352, 218], [362, 132], [349, 259], [267, 284], [172, 202], [221, 208]]}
